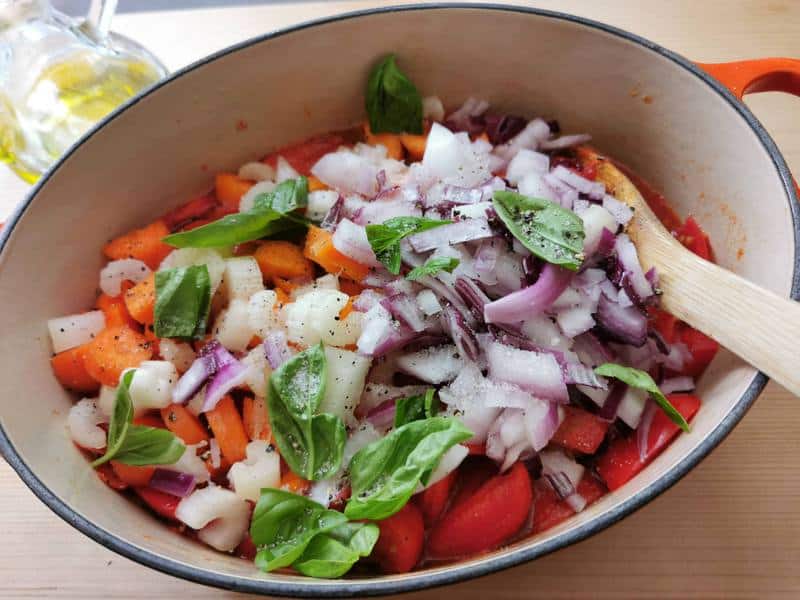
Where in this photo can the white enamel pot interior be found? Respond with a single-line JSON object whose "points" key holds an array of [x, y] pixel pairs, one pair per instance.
{"points": [[692, 140]]}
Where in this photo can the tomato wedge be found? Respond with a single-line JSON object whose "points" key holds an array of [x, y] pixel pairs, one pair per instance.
{"points": [[399, 546], [549, 510], [580, 431], [433, 500], [493, 514]]}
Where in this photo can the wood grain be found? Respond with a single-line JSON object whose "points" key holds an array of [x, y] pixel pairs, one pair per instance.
{"points": [[730, 529]]}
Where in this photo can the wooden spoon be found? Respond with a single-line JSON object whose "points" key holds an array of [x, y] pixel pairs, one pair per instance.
{"points": [[752, 322]]}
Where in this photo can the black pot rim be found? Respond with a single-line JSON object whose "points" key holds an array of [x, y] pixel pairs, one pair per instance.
{"points": [[455, 573]]}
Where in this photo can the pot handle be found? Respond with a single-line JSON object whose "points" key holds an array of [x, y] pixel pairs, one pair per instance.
{"points": [[760, 75]]}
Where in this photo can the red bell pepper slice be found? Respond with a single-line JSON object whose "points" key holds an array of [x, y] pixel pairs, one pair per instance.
{"points": [[399, 546], [304, 155], [580, 431], [433, 500], [163, 504], [549, 510], [493, 514], [622, 460]]}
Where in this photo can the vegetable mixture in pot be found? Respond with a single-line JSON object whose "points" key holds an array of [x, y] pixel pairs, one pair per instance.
{"points": [[412, 341]]}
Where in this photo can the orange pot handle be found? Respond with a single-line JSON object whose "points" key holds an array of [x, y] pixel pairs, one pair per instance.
{"points": [[761, 75]]}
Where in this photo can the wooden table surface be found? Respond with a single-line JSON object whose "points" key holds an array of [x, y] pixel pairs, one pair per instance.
{"points": [[730, 529]]}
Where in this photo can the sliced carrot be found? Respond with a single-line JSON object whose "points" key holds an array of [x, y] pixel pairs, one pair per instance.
{"points": [[140, 300], [315, 185], [287, 286], [132, 475], [347, 308], [184, 424], [229, 189], [113, 350], [294, 483], [256, 419], [319, 248], [144, 244], [279, 258], [282, 300], [70, 370], [350, 287], [228, 429], [390, 141], [254, 341], [414, 145], [150, 420]]}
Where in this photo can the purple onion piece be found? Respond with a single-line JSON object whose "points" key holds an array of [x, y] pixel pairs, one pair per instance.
{"points": [[383, 414], [404, 308], [334, 215], [530, 301], [473, 296], [173, 483], [624, 324], [230, 375], [643, 430], [193, 379], [561, 484], [501, 128], [462, 335], [610, 407], [454, 233]]}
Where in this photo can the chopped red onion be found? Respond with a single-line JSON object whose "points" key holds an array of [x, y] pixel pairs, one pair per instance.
{"points": [[334, 215], [677, 384], [455, 325], [366, 300], [501, 128], [530, 301], [535, 132], [610, 406], [434, 364], [578, 373], [404, 308], [473, 296], [193, 379], [565, 141], [643, 430], [468, 116], [625, 324], [628, 260], [575, 320], [380, 334], [536, 372], [444, 286], [454, 233], [486, 259], [173, 483], [347, 171], [382, 416], [576, 502], [276, 347], [230, 373], [525, 162], [561, 484], [351, 240], [541, 421], [593, 189], [591, 350], [620, 211]]}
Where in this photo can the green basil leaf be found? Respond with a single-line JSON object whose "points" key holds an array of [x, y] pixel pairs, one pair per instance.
{"points": [[287, 196], [311, 444], [433, 266], [385, 238], [333, 554], [150, 446], [416, 408], [270, 215], [137, 444], [121, 417], [183, 299], [283, 525], [393, 102], [551, 232], [385, 473], [642, 381]]}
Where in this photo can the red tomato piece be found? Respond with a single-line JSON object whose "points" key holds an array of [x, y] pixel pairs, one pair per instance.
{"points": [[580, 431], [665, 324], [107, 475], [472, 474], [198, 208], [622, 460], [163, 504], [701, 347], [399, 546], [304, 155], [246, 548], [694, 238], [488, 518], [549, 510], [476, 449], [433, 500]]}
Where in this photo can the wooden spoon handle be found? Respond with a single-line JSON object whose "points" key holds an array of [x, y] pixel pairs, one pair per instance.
{"points": [[756, 324]]}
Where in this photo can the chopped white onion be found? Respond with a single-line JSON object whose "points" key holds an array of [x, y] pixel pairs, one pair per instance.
{"points": [[535, 372], [432, 108], [256, 171], [83, 420], [151, 386], [75, 330], [232, 327], [436, 364], [241, 278], [351, 240], [346, 373], [319, 203], [621, 211], [220, 516], [261, 469], [117, 271], [180, 354], [284, 171], [525, 162], [248, 199]]}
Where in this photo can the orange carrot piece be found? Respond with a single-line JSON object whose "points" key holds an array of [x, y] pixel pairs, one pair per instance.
{"points": [[391, 141], [319, 248], [228, 429], [150, 420], [230, 188], [414, 145], [113, 350], [184, 424], [115, 311], [140, 300], [315, 185], [131, 474], [347, 308], [283, 299], [70, 369], [279, 258], [350, 287], [144, 244], [256, 419], [294, 483]]}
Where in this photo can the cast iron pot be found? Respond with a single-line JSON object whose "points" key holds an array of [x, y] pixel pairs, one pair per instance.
{"points": [[664, 116]]}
